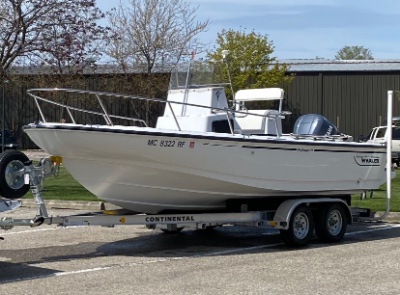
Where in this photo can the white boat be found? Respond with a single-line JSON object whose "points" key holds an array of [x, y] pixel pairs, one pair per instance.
{"points": [[195, 159]]}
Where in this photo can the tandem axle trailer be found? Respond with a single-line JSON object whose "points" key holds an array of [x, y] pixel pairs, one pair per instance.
{"points": [[296, 219]]}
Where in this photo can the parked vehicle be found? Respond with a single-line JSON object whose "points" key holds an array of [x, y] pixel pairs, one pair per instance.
{"points": [[10, 140], [378, 134]]}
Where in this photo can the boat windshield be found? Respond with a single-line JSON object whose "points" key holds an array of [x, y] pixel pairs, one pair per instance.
{"points": [[198, 74]]}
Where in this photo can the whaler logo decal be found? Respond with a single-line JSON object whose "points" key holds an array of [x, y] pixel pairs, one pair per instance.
{"points": [[367, 160]]}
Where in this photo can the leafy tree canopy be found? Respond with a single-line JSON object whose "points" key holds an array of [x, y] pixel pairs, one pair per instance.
{"points": [[249, 60], [354, 53]]}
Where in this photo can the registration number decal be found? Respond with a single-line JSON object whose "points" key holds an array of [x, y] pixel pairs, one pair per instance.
{"points": [[166, 143]]}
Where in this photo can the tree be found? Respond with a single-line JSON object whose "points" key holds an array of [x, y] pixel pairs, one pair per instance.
{"points": [[71, 39], [59, 33], [152, 31], [354, 53], [249, 60]]}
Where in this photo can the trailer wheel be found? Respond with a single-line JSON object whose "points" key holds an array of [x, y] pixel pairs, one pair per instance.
{"points": [[331, 223], [301, 227], [12, 171]]}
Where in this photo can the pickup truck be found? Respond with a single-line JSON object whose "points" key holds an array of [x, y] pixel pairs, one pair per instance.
{"points": [[378, 134]]}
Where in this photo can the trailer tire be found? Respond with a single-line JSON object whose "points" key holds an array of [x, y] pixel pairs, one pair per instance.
{"points": [[12, 172], [331, 223], [301, 227]]}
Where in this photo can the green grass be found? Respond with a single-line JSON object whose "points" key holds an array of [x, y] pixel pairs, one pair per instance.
{"points": [[378, 200], [65, 187]]}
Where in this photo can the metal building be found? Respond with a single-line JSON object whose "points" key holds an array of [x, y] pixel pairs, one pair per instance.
{"points": [[351, 93]]}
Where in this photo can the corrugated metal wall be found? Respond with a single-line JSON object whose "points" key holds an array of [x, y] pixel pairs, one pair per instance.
{"points": [[354, 101]]}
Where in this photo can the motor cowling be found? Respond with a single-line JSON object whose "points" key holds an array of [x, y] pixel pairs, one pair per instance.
{"points": [[313, 124]]}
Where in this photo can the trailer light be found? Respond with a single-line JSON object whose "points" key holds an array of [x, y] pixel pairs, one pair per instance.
{"points": [[56, 159]]}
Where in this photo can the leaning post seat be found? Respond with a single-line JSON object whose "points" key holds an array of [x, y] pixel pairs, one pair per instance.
{"points": [[268, 121]]}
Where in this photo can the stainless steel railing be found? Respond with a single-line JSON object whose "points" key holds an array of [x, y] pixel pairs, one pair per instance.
{"points": [[108, 118]]}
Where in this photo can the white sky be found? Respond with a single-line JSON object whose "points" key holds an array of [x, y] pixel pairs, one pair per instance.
{"points": [[305, 29]]}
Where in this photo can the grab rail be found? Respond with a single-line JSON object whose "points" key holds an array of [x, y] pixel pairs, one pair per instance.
{"points": [[34, 92], [105, 114]]}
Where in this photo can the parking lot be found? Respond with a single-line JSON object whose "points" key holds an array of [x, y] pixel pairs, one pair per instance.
{"points": [[228, 260]]}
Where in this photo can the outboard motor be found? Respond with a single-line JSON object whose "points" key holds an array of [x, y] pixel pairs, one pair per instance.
{"points": [[312, 124]]}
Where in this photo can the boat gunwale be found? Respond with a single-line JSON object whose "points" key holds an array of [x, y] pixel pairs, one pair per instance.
{"points": [[266, 141]]}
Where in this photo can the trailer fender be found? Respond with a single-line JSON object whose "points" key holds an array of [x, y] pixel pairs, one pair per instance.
{"points": [[284, 212]]}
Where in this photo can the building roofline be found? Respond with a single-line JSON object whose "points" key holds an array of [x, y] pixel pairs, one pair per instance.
{"points": [[294, 66], [326, 65]]}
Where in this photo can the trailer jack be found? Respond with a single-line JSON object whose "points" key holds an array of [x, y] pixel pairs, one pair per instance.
{"points": [[33, 176]]}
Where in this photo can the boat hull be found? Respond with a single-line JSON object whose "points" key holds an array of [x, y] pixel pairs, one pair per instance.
{"points": [[151, 171]]}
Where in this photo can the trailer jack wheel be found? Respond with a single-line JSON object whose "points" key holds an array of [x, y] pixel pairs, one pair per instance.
{"points": [[12, 172], [301, 227]]}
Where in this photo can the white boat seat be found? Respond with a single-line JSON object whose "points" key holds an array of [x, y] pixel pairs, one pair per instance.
{"points": [[269, 124]]}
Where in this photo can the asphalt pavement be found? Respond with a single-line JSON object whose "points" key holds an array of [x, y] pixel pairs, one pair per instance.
{"points": [[229, 260]]}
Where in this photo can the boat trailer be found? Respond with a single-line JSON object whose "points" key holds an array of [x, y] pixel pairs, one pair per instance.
{"points": [[294, 217]]}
